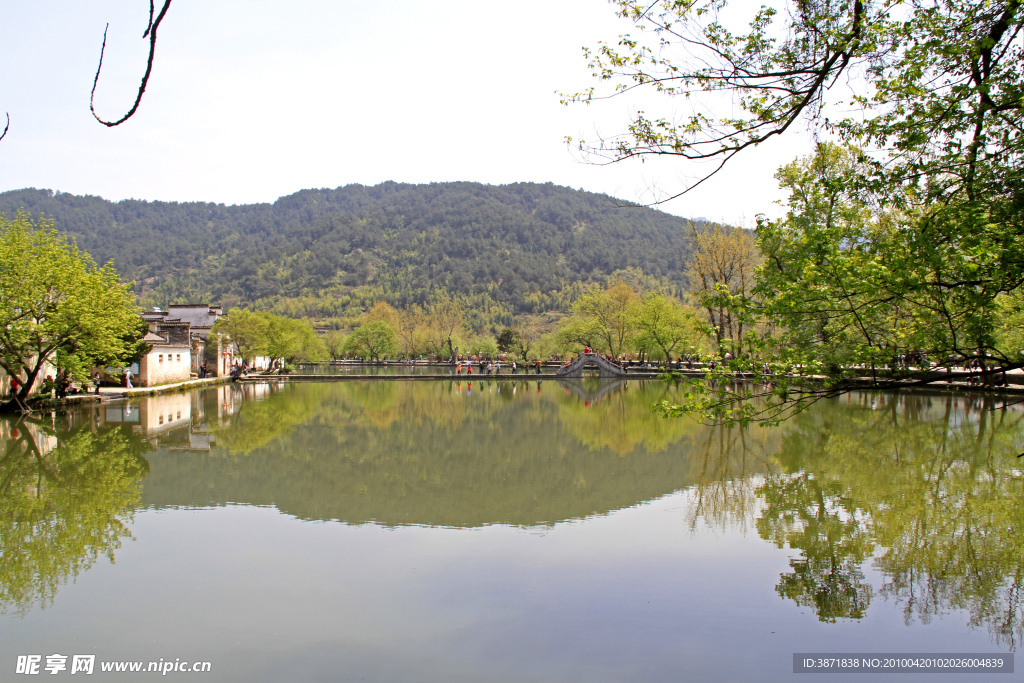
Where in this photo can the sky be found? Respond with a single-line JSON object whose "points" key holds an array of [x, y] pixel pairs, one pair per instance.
{"points": [[251, 100]]}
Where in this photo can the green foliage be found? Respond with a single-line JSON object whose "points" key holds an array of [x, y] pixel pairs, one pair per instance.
{"points": [[483, 345], [509, 250], [294, 340], [942, 102], [335, 343], [605, 316], [61, 509], [374, 340], [861, 293], [260, 333], [249, 331], [899, 243], [668, 326], [508, 340], [54, 299]]}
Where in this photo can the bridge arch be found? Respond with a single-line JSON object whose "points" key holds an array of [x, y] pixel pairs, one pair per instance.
{"points": [[575, 368]]}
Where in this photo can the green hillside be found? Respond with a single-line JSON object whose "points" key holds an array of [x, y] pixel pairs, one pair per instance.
{"points": [[524, 248]]}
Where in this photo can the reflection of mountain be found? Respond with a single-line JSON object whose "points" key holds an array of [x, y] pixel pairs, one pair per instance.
{"points": [[66, 498], [929, 484], [436, 453]]}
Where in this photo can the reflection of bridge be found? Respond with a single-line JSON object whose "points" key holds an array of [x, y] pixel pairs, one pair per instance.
{"points": [[594, 395], [575, 369]]}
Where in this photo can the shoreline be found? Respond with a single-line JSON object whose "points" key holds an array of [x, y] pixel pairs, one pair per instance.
{"points": [[113, 394]]}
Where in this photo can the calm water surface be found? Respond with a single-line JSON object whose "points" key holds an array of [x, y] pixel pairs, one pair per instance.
{"points": [[442, 531], [400, 369]]}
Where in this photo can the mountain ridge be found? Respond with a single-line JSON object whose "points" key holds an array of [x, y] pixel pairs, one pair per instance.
{"points": [[526, 247]]}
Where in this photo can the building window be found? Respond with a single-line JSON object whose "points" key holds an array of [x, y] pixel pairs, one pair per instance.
{"points": [[161, 358], [178, 358]]}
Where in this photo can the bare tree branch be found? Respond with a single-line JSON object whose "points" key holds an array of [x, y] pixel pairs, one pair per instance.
{"points": [[151, 34]]}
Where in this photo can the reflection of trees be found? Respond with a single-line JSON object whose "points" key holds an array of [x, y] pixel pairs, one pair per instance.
{"points": [[933, 482], [624, 420], [63, 508], [726, 464], [265, 420], [432, 453], [817, 519]]}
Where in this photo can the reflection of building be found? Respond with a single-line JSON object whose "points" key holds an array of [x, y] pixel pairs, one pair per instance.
{"points": [[179, 422], [154, 413], [226, 403], [9, 431]]}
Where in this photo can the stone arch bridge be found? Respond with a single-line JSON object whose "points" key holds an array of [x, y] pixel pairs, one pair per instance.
{"points": [[585, 360]]}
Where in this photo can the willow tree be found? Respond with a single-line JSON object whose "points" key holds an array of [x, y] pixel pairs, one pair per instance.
{"points": [[54, 299]]}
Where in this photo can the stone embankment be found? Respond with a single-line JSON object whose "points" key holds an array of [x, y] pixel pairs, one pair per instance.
{"points": [[116, 393]]}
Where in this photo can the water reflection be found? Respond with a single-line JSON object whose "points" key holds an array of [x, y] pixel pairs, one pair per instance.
{"points": [[929, 486], [67, 497], [454, 454], [914, 500]]}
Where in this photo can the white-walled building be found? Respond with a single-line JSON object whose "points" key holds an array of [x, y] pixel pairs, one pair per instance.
{"points": [[206, 351], [170, 355]]}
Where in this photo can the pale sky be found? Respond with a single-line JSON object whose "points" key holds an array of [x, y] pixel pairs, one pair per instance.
{"points": [[254, 99]]}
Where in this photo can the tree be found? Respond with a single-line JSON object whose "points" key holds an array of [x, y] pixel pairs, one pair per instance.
{"points": [[409, 329], [250, 331], [667, 324], [445, 315], [528, 333], [508, 340], [943, 85], [385, 312], [374, 340], [483, 346], [53, 297], [293, 340], [924, 216], [335, 343], [606, 315], [721, 275]]}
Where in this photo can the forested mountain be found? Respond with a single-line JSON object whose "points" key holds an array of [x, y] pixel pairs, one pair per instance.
{"points": [[525, 247]]}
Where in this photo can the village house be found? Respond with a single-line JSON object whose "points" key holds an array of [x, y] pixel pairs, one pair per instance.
{"points": [[207, 351], [170, 354]]}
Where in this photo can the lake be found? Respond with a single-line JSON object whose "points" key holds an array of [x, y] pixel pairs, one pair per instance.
{"points": [[500, 531]]}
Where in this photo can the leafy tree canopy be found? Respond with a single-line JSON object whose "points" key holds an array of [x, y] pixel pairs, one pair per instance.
{"points": [[374, 340], [54, 298], [901, 242]]}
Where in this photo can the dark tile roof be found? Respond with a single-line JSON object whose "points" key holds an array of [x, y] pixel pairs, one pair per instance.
{"points": [[198, 315]]}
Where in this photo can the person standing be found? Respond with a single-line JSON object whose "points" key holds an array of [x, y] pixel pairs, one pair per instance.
{"points": [[128, 378]]}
